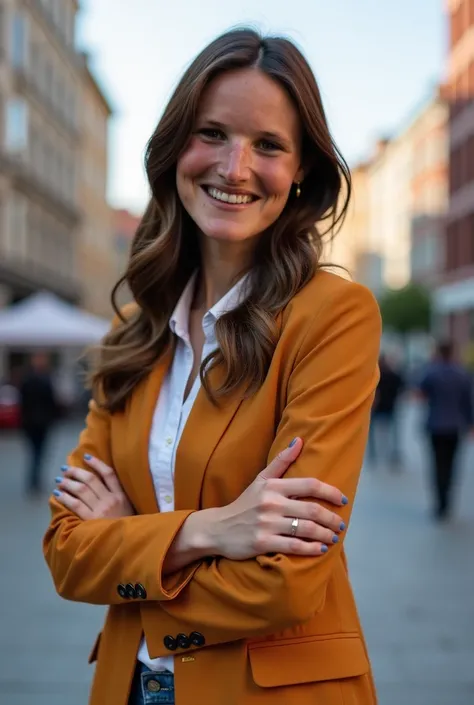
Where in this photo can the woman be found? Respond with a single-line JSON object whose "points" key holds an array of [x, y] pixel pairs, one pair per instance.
{"points": [[241, 361]]}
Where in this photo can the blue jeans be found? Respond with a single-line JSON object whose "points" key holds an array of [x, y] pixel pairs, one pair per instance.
{"points": [[151, 687]]}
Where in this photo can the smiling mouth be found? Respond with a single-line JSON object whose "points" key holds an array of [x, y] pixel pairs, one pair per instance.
{"points": [[238, 199]]}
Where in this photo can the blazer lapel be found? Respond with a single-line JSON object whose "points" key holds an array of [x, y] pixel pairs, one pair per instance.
{"points": [[204, 429], [138, 426]]}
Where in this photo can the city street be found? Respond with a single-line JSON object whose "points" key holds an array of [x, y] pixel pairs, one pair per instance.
{"points": [[414, 582]]}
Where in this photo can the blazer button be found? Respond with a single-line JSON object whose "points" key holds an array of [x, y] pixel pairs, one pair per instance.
{"points": [[183, 641], [170, 643], [130, 591], [122, 591], [140, 591], [197, 639]]}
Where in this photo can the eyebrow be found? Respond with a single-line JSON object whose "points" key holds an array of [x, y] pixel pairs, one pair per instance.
{"points": [[272, 136]]}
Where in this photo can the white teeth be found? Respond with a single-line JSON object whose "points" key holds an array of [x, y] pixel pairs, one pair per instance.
{"points": [[228, 197]]}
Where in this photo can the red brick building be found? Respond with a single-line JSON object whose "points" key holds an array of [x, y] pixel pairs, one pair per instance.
{"points": [[454, 299]]}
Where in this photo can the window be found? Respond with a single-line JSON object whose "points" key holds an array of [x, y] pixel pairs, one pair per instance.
{"points": [[18, 44], [16, 125]]}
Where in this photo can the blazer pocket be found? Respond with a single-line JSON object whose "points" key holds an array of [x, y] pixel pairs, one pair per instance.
{"points": [[95, 649], [308, 661]]}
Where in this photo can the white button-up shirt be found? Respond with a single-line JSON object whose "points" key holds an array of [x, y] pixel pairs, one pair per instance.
{"points": [[171, 413]]}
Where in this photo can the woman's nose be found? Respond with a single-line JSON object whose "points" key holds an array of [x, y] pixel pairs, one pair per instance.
{"points": [[235, 163]]}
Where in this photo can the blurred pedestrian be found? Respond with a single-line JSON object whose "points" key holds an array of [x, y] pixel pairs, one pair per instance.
{"points": [[241, 361], [38, 412], [384, 431], [446, 386]]}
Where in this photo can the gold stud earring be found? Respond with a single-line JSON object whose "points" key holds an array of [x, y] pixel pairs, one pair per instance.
{"points": [[298, 189]]}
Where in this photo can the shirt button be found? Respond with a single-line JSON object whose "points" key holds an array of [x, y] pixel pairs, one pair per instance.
{"points": [[169, 441], [168, 499]]}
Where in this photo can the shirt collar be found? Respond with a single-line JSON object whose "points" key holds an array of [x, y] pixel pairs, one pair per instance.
{"points": [[179, 321]]}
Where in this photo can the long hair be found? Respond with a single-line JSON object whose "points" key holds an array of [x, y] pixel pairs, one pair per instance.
{"points": [[165, 250]]}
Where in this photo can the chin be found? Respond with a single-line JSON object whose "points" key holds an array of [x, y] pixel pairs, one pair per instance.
{"points": [[227, 232]]}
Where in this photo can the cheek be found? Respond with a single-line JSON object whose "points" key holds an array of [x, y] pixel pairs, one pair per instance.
{"points": [[195, 159], [278, 179]]}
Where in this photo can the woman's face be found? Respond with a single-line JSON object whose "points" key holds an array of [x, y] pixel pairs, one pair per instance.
{"points": [[235, 175]]}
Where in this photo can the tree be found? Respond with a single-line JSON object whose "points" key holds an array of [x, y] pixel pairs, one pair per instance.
{"points": [[406, 310]]}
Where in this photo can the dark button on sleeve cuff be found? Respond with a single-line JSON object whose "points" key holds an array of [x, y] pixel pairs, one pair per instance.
{"points": [[131, 591], [140, 591], [183, 641], [122, 591], [170, 643], [197, 639]]}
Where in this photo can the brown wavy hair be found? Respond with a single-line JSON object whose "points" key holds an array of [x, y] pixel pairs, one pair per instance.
{"points": [[165, 250]]}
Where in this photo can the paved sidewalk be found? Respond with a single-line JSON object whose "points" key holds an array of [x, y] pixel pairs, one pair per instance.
{"points": [[414, 583]]}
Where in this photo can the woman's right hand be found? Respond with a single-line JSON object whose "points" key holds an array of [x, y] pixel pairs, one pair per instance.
{"points": [[260, 520]]}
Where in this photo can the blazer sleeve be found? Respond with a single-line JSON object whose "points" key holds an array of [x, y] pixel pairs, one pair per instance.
{"points": [[88, 560], [329, 398]]}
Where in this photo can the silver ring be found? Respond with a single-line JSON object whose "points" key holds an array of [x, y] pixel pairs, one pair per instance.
{"points": [[294, 526]]}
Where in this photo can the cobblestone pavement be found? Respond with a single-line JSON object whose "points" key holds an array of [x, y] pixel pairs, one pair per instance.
{"points": [[414, 583]]}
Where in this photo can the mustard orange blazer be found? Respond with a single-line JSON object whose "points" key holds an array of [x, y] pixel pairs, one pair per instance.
{"points": [[273, 630]]}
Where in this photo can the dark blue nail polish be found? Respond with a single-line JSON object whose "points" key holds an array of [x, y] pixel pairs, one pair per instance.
{"points": [[345, 500], [342, 526], [335, 538], [58, 479], [292, 443], [87, 456], [56, 493], [324, 549], [63, 468]]}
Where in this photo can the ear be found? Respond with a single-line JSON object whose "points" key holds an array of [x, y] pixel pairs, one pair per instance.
{"points": [[299, 176]]}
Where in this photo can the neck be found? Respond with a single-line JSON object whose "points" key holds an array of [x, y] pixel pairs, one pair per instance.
{"points": [[221, 268]]}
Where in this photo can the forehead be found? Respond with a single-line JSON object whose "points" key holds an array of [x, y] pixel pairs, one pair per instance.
{"points": [[248, 98]]}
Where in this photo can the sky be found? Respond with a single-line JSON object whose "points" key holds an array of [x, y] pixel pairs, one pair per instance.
{"points": [[375, 61]]}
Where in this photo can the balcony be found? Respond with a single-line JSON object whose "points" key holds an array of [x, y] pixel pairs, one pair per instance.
{"points": [[26, 181]]}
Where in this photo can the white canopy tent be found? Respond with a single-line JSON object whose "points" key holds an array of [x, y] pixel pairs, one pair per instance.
{"points": [[45, 320]]}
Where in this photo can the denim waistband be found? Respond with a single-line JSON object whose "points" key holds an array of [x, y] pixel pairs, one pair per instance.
{"points": [[151, 687]]}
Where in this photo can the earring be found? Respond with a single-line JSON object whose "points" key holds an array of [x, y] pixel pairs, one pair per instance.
{"points": [[298, 189]]}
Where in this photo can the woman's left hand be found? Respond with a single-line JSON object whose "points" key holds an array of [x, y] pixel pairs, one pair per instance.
{"points": [[93, 495]]}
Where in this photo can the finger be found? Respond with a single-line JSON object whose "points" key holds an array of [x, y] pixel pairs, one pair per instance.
{"points": [[80, 491], [283, 460], [74, 504], [312, 511], [295, 547], [309, 487], [107, 473], [308, 530], [87, 478]]}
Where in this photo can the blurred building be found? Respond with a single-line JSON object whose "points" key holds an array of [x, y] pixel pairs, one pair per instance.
{"points": [[429, 189], [352, 247], [40, 213], [125, 227], [454, 299], [96, 265]]}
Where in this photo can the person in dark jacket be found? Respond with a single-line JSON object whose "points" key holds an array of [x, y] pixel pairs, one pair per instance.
{"points": [[384, 408], [39, 411], [446, 386]]}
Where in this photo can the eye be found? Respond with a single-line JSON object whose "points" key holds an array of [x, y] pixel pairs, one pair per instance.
{"points": [[211, 133], [268, 146]]}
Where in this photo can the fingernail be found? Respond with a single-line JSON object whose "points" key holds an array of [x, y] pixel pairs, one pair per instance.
{"points": [[56, 493], [335, 538], [342, 526], [344, 500], [292, 443], [87, 456], [63, 468], [324, 549], [58, 479]]}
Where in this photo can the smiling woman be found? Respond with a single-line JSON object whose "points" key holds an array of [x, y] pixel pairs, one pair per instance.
{"points": [[207, 499]]}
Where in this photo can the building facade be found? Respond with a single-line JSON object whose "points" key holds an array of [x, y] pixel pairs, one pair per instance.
{"points": [[429, 190], [39, 139], [454, 299], [95, 252], [125, 227]]}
